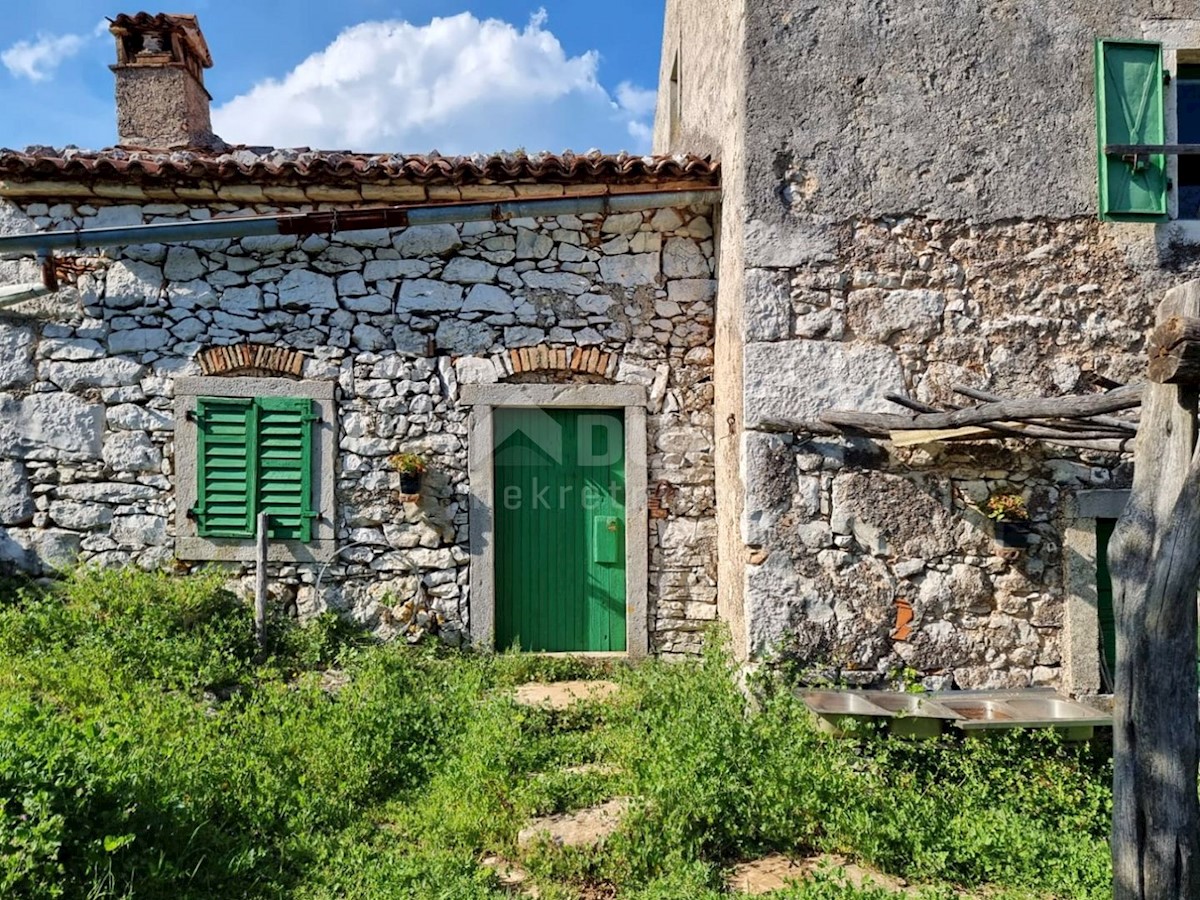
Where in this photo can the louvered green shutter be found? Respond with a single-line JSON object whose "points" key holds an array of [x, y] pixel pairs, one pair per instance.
{"points": [[285, 437], [225, 467], [1129, 110]]}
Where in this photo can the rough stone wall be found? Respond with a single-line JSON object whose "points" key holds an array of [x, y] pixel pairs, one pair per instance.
{"points": [[708, 42], [972, 109], [848, 534], [917, 209], [399, 319]]}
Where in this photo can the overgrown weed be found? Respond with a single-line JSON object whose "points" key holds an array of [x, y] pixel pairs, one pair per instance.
{"points": [[147, 750]]}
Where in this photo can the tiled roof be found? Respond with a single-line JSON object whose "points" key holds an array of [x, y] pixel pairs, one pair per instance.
{"points": [[260, 165]]}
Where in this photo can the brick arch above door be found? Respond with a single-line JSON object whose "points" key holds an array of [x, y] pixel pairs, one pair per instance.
{"points": [[555, 361]]}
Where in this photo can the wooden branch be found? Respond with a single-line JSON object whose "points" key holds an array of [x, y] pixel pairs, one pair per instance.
{"points": [[1071, 407], [910, 403], [1175, 352], [1100, 441], [1103, 444], [1107, 421], [801, 426]]}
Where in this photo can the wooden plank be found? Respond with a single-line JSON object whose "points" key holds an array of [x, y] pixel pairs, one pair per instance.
{"points": [[260, 582], [931, 436]]}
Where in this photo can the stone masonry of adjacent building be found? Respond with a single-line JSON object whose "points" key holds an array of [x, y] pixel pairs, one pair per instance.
{"points": [[909, 203]]}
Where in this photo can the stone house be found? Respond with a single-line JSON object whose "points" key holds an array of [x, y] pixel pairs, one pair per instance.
{"points": [[910, 203], [230, 334], [907, 203]]}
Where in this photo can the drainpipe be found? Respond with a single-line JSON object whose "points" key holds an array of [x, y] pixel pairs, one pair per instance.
{"points": [[351, 220], [19, 293]]}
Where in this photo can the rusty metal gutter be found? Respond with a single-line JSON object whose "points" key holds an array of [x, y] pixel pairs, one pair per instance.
{"points": [[335, 221]]}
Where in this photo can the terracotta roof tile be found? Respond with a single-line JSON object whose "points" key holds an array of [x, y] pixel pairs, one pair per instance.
{"points": [[263, 165]]}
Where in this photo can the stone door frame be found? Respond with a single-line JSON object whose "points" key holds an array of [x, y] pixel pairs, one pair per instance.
{"points": [[1081, 617], [483, 399]]}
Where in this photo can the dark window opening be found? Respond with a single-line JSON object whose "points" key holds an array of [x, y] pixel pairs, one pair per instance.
{"points": [[1188, 118], [674, 101]]}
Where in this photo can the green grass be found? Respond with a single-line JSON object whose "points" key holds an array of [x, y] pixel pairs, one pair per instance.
{"points": [[146, 751]]}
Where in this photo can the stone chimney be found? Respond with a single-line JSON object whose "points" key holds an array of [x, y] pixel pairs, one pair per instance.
{"points": [[161, 99]]}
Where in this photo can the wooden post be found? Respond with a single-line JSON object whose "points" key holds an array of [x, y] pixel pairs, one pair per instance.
{"points": [[260, 583], [1155, 567]]}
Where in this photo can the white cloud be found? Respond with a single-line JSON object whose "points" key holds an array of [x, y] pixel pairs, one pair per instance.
{"points": [[459, 85], [37, 59], [639, 104]]}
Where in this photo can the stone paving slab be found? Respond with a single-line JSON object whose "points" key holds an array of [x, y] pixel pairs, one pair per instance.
{"points": [[564, 694], [583, 828], [512, 877], [775, 872]]}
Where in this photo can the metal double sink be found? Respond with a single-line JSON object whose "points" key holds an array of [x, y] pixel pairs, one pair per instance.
{"points": [[925, 715]]}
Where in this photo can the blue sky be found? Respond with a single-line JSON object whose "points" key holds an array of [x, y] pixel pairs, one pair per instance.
{"points": [[366, 75]]}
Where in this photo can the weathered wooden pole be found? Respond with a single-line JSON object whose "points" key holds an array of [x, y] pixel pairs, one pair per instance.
{"points": [[260, 583], [1155, 564]]}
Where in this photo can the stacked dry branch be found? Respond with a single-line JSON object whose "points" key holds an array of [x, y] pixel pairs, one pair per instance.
{"points": [[1075, 421]]}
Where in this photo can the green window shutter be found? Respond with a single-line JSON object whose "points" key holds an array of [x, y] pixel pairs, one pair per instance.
{"points": [[285, 461], [1129, 110], [225, 467]]}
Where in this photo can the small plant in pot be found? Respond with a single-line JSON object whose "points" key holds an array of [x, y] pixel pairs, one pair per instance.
{"points": [[1011, 515], [411, 467]]}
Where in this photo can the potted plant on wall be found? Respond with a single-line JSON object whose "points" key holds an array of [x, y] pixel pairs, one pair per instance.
{"points": [[411, 467], [1011, 515]]}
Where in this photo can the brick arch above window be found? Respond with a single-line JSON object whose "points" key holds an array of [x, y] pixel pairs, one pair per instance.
{"points": [[259, 360]]}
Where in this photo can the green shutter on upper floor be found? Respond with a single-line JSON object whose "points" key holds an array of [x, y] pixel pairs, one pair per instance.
{"points": [[1130, 110]]}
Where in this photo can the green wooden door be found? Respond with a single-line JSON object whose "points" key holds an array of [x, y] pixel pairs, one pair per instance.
{"points": [[560, 529], [1104, 603]]}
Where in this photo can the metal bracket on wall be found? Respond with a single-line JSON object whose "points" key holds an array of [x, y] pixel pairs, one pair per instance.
{"points": [[1137, 155]]}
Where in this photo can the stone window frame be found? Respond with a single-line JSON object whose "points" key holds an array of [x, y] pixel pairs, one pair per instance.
{"points": [[483, 399], [1081, 618], [189, 545], [1177, 36]]}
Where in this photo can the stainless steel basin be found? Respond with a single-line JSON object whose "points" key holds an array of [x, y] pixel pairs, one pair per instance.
{"points": [[1033, 708], [910, 705], [976, 709], [1051, 709], [842, 703]]}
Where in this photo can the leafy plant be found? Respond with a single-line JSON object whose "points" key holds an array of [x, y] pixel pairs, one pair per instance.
{"points": [[1007, 507], [408, 463]]}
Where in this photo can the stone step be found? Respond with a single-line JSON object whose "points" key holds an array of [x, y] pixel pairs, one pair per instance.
{"points": [[564, 694], [582, 828]]}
